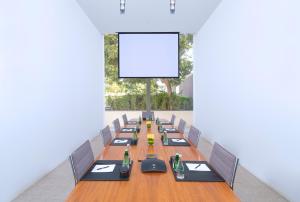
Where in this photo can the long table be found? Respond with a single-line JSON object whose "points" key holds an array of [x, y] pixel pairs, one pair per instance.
{"points": [[152, 187]]}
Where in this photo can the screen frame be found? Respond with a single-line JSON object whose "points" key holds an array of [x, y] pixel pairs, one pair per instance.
{"points": [[149, 77]]}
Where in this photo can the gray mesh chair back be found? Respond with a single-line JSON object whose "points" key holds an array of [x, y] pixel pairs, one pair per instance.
{"points": [[125, 120], [117, 125], [224, 163], [81, 160], [106, 136], [181, 126], [173, 119], [146, 115], [194, 135]]}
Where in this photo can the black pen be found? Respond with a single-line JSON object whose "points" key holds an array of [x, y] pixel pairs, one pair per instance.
{"points": [[197, 166], [102, 167]]}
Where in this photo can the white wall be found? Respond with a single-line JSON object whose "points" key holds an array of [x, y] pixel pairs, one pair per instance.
{"points": [[51, 87], [247, 72]]}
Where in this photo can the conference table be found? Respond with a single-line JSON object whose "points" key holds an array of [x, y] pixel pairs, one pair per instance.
{"points": [[152, 187]]}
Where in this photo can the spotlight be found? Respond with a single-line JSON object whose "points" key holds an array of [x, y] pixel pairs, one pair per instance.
{"points": [[122, 6], [172, 6]]}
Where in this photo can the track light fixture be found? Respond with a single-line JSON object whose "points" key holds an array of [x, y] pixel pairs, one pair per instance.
{"points": [[122, 6], [172, 6], [123, 2]]}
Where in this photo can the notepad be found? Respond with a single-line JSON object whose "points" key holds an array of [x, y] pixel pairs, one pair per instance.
{"points": [[127, 129], [120, 141], [104, 168], [197, 167], [170, 129], [178, 140]]}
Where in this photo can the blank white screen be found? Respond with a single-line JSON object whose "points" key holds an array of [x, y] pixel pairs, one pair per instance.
{"points": [[148, 55]]}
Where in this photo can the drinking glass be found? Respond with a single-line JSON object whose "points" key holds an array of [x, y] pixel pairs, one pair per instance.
{"points": [[165, 139]]}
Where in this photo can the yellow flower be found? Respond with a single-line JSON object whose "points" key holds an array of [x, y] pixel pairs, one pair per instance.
{"points": [[150, 136], [148, 123]]}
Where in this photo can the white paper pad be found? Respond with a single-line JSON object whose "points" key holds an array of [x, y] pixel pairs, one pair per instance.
{"points": [[120, 141], [127, 129], [104, 168], [178, 140], [202, 167], [170, 129]]}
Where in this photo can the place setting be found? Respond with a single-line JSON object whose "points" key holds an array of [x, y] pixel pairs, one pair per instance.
{"points": [[176, 142], [120, 141], [128, 130], [123, 141], [171, 130], [173, 141], [132, 122], [110, 170], [163, 122], [107, 170], [193, 171]]}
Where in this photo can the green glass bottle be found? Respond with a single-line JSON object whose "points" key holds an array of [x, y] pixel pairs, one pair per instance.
{"points": [[176, 161], [126, 159], [165, 138], [160, 128], [135, 135], [180, 170], [138, 129]]}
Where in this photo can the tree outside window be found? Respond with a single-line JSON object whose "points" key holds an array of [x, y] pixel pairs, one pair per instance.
{"points": [[130, 93]]}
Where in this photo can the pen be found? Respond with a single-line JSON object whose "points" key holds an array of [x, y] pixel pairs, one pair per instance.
{"points": [[102, 167], [197, 166]]}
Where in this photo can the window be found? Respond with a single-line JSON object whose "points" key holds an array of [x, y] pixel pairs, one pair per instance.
{"points": [[166, 94]]}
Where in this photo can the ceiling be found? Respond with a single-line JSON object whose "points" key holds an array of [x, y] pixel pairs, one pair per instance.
{"points": [[148, 15]]}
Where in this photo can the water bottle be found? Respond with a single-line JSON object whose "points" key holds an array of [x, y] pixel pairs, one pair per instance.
{"points": [[165, 138], [134, 138], [176, 161], [160, 128], [180, 170], [126, 159]]}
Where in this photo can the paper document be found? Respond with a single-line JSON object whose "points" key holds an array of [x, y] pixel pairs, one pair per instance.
{"points": [[128, 129], [120, 141], [104, 168], [197, 167], [178, 140]]}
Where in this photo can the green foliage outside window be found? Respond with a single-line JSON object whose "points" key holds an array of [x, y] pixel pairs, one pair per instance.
{"points": [[129, 94], [160, 101]]}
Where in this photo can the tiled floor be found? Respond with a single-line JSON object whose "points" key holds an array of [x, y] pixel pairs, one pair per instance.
{"points": [[56, 186]]}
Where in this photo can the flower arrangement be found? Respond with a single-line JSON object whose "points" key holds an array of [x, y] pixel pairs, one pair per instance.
{"points": [[150, 138], [148, 123]]}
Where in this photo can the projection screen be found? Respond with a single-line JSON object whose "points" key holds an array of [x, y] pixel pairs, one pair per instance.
{"points": [[148, 55]]}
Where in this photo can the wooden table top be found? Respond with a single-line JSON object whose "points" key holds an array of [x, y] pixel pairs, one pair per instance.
{"points": [[152, 187]]}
